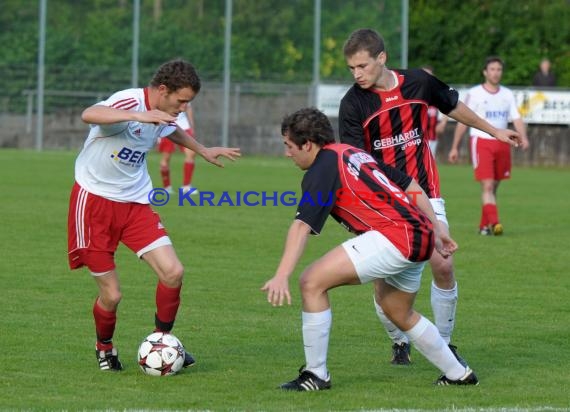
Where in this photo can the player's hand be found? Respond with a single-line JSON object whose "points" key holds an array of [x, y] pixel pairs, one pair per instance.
{"points": [[525, 143], [155, 116], [211, 154], [453, 155], [509, 136], [444, 244], [277, 289]]}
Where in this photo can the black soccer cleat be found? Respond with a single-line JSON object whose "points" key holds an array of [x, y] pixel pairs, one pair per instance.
{"points": [[453, 349], [108, 360], [468, 379], [307, 381], [401, 354], [188, 360]]}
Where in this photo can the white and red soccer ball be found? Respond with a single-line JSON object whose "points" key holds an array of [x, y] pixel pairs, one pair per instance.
{"points": [[161, 354]]}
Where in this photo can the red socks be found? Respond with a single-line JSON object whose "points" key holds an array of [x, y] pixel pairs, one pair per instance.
{"points": [[489, 215], [188, 172], [165, 174], [104, 326], [167, 303]]}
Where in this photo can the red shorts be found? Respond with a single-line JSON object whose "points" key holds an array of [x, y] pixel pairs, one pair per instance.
{"points": [[96, 225], [491, 159], [165, 145]]}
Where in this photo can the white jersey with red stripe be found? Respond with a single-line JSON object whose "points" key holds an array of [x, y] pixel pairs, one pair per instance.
{"points": [[498, 108], [112, 163], [183, 122]]}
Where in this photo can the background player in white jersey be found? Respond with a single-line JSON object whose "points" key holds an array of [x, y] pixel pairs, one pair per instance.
{"points": [[110, 198], [491, 158], [166, 147]]}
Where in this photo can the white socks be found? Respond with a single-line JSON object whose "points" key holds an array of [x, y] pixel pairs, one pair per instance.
{"points": [[443, 304], [316, 332], [392, 330], [423, 335], [427, 340]]}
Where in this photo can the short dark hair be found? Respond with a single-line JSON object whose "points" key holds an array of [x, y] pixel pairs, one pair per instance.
{"points": [[364, 39], [308, 124], [177, 74], [493, 59]]}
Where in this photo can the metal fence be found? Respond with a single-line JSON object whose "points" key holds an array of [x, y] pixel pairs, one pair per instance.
{"points": [[256, 111], [255, 118]]}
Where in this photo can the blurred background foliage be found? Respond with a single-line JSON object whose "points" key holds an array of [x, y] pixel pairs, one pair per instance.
{"points": [[89, 43]]}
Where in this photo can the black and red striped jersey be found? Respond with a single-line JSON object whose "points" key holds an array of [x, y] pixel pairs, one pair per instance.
{"points": [[363, 195], [392, 125], [433, 115]]}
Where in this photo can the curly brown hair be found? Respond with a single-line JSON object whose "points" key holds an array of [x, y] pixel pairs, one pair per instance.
{"points": [[308, 124], [177, 74]]}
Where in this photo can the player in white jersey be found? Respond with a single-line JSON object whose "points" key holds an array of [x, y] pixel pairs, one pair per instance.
{"points": [[110, 198], [491, 158], [185, 121]]}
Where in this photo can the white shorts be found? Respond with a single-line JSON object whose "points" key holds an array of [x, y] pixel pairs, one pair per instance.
{"points": [[438, 205], [374, 257]]}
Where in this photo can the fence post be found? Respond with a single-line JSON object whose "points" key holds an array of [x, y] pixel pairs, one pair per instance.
{"points": [[29, 110]]}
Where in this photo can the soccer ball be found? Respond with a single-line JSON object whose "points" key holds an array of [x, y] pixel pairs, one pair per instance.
{"points": [[161, 354]]}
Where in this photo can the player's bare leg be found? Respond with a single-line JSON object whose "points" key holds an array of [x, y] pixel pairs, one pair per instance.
{"points": [[165, 263], [109, 290], [400, 343]]}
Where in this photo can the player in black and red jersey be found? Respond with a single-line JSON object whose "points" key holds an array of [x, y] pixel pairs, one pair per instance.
{"points": [[396, 233], [385, 113]]}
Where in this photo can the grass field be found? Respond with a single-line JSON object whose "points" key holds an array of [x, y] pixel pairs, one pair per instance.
{"points": [[513, 322]]}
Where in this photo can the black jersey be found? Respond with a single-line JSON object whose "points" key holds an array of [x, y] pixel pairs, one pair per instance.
{"points": [[362, 195], [392, 125]]}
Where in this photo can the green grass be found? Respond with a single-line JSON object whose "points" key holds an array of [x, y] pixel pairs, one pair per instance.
{"points": [[513, 321]]}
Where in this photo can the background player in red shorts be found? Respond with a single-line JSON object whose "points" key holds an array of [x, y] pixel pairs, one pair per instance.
{"points": [[166, 147], [436, 123], [396, 232], [385, 113], [491, 158], [110, 198]]}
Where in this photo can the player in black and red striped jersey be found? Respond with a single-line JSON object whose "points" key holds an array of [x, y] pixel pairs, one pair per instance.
{"points": [[386, 113], [396, 233]]}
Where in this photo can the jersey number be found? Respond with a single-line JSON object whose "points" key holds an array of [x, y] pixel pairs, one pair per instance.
{"points": [[383, 180]]}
